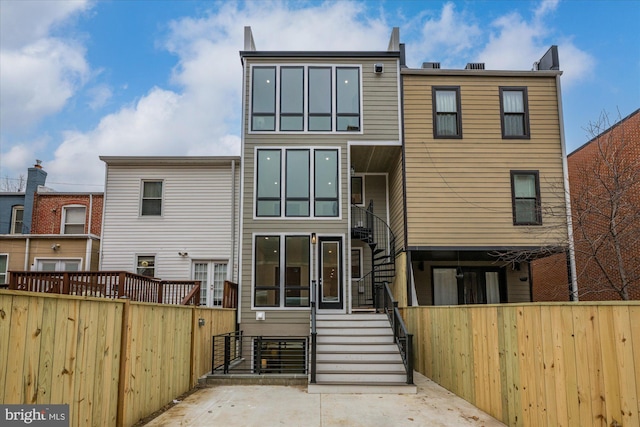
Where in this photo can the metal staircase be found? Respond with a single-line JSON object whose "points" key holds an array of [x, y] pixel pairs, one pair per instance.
{"points": [[375, 232]]}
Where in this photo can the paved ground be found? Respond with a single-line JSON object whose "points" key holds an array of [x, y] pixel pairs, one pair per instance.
{"points": [[266, 406]]}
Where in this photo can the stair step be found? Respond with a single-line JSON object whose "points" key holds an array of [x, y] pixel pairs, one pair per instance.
{"points": [[354, 339], [353, 330], [361, 377], [356, 347], [386, 367], [358, 316], [382, 323], [354, 357], [336, 387]]}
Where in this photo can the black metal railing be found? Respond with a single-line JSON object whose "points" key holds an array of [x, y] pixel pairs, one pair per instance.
{"points": [[236, 353], [377, 234], [314, 334], [403, 338]]}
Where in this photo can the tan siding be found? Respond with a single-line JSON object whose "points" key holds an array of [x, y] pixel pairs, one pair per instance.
{"points": [[459, 190], [396, 202]]}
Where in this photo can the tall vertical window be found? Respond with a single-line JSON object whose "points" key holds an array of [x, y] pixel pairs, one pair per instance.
{"points": [[356, 263], [146, 265], [296, 277], [305, 98], [319, 99], [267, 271], [17, 219], [211, 276], [263, 105], [326, 183], [3, 268], [268, 185], [297, 188], [447, 121], [357, 197], [151, 198], [74, 219], [525, 194], [348, 99], [514, 112], [291, 98]]}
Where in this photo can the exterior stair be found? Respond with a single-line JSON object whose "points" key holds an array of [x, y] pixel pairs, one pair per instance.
{"points": [[356, 353]]}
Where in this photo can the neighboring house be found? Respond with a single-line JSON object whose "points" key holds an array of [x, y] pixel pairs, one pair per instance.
{"points": [[47, 230], [483, 162], [175, 218], [321, 140], [604, 176]]}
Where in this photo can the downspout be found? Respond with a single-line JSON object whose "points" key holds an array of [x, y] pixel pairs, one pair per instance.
{"points": [[233, 220], [87, 264], [27, 244], [567, 198], [408, 275], [104, 204]]}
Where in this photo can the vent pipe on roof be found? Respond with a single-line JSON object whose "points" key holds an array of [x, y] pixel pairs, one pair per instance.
{"points": [[475, 66]]}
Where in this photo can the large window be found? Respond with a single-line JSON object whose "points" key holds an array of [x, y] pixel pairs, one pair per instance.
{"points": [[447, 121], [17, 219], [299, 189], [4, 261], [58, 264], [467, 285], [73, 219], [282, 271], [151, 198], [514, 112], [525, 195], [301, 98]]}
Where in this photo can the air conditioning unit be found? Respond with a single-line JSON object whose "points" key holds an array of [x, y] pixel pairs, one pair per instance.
{"points": [[475, 66], [378, 68], [431, 65]]}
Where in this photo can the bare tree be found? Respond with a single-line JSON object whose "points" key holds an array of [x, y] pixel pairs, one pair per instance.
{"points": [[605, 199], [13, 185]]}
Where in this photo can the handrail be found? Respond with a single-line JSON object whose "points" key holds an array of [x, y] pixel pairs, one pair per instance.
{"points": [[402, 337], [314, 334]]}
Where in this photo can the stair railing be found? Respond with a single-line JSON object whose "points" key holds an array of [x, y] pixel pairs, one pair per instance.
{"points": [[314, 334], [401, 335]]}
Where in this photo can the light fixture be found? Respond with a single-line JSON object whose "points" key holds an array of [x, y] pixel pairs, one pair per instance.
{"points": [[55, 246], [183, 253], [313, 238], [353, 171], [201, 322], [459, 272], [378, 68]]}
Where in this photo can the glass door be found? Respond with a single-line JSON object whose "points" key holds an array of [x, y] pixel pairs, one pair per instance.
{"points": [[330, 273]]}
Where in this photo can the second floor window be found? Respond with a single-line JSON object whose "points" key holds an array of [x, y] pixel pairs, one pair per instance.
{"points": [[446, 112], [302, 98], [525, 193], [311, 188], [73, 219], [151, 198], [514, 112], [17, 219]]}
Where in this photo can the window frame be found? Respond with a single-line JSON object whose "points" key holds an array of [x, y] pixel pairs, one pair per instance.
{"points": [[362, 195], [14, 221], [4, 275], [64, 223], [282, 199], [434, 105], [537, 200], [210, 272], [525, 113], [58, 261], [307, 115], [360, 262], [138, 266], [281, 287], [142, 198]]}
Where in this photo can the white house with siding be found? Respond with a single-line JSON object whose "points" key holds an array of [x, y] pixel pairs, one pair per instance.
{"points": [[173, 218]]}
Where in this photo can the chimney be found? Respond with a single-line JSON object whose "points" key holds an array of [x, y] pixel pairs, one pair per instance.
{"points": [[36, 176]]}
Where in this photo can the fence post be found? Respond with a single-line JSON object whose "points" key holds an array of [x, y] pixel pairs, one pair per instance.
{"points": [[409, 357], [66, 289], [160, 292], [125, 364], [258, 351], [121, 279], [213, 353]]}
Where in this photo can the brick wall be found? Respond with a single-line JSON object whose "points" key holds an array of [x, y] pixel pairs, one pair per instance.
{"points": [[48, 207], [590, 179]]}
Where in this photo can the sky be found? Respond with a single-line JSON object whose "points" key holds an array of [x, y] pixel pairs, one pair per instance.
{"points": [[81, 79]]}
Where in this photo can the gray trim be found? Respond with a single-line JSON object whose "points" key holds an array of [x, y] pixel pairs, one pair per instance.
{"points": [[169, 160], [479, 73], [470, 248]]}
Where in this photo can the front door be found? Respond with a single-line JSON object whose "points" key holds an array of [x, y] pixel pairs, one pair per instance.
{"points": [[330, 273]]}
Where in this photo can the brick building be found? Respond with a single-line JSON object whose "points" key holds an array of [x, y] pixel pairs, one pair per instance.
{"points": [[604, 177], [51, 209]]}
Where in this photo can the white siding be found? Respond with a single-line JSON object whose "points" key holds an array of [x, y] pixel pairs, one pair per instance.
{"points": [[197, 218]]}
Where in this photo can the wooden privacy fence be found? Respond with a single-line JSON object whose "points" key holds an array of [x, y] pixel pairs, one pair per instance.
{"points": [[113, 361], [566, 364], [108, 284]]}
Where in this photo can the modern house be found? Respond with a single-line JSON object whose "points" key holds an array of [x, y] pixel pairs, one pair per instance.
{"points": [[604, 176], [47, 230], [485, 180], [173, 218]]}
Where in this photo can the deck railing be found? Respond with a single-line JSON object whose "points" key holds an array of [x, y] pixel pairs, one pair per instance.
{"points": [[402, 337], [108, 284], [230, 295]]}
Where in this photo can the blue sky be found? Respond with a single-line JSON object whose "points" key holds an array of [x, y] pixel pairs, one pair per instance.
{"points": [[79, 79]]}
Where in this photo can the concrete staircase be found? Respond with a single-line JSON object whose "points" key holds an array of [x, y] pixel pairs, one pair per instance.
{"points": [[356, 353]]}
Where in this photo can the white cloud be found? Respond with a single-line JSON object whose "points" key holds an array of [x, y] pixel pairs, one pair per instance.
{"points": [[38, 72], [516, 44], [99, 95]]}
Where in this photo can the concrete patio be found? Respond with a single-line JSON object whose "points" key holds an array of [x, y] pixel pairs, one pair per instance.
{"points": [[264, 406]]}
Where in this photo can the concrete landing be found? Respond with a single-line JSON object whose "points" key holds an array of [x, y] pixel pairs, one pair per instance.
{"points": [[262, 405]]}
